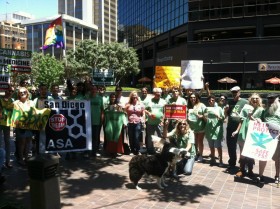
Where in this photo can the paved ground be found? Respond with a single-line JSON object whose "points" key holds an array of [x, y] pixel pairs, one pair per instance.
{"points": [[103, 183]]}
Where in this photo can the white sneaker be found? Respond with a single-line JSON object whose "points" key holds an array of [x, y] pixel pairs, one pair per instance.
{"points": [[200, 159], [98, 154]]}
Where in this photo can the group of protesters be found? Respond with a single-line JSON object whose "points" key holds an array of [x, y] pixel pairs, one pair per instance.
{"points": [[139, 117]]}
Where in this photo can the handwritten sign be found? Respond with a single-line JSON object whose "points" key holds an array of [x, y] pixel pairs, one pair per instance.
{"points": [[175, 111], [261, 140], [192, 77]]}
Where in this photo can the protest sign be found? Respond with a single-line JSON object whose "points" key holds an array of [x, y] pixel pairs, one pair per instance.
{"points": [[261, 140], [33, 119], [68, 128], [175, 111], [167, 76], [192, 77]]}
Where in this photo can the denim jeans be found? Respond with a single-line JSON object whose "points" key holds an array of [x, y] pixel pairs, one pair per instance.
{"points": [[134, 134], [6, 138], [151, 129]]}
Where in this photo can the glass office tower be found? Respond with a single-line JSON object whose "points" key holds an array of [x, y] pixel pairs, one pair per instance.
{"points": [[140, 20]]}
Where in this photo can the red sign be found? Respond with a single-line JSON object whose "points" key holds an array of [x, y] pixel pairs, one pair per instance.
{"points": [[57, 122], [175, 111]]}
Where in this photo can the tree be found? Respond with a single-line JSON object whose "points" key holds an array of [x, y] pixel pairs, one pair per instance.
{"points": [[90, 55], [122, 59], [46, 69]]}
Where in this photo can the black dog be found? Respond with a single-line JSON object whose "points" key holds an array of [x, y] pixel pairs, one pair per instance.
{"points": [[156, 165]]}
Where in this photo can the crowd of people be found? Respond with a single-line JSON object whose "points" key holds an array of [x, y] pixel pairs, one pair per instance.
{"points": [[139, 117]]}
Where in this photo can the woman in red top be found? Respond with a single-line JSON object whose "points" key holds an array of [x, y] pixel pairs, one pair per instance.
{"points": [[135, 113]]}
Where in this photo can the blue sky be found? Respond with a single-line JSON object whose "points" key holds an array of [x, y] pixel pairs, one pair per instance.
{"points": [[38, 8]]}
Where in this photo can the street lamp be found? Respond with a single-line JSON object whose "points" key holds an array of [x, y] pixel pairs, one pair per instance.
{"points": [[243, 74]]}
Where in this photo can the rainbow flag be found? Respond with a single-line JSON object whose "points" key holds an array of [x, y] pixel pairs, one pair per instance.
{"points": [[54, 35]]}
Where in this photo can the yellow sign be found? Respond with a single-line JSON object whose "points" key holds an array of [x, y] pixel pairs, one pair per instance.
{"points": [[167, 76]]}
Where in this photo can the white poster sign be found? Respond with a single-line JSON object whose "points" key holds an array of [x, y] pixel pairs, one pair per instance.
{"points": [[261, 140], [192, 77]]}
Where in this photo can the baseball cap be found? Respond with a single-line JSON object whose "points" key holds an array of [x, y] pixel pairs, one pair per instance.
{"points": [[272, 95], [235, 88]]}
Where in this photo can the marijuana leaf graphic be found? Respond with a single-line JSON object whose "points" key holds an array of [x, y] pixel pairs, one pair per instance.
{"points": [[261, 139]]}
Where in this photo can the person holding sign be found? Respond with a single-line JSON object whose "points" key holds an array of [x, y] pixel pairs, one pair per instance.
{"points": [[232, 111], [176, 99], [271, 114], [23, 104], [214, 117], [250, 111], [182, 137], [196, 121]]}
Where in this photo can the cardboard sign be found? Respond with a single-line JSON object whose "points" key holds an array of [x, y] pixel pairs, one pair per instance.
{"points": [[175, 111], [261, 140], [167, 76]]}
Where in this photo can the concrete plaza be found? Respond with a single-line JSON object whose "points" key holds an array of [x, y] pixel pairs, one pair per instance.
{"points": [[103, 183]]}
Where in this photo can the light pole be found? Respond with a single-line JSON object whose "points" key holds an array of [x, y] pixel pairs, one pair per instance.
{"points": [[243, 74]]}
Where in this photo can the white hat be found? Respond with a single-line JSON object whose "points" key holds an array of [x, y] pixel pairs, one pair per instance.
{"points": [[235, 88]]}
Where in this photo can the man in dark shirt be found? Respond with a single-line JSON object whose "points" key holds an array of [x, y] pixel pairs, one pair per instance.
{"points": [[232, 111]]}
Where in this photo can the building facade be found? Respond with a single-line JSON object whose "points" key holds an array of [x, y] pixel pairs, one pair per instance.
{"points": [[12, 36], [233, 38], [75, 30], [102, 13]]}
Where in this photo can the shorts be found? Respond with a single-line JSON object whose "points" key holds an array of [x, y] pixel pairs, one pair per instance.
{"points": [[214, 143]]}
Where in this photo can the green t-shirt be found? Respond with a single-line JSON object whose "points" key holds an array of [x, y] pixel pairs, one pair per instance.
{"points": [[96, 106], [195, 123], [257, 112], [234, 111], [145, 100], [155, 106], [181, 141], [178, 101], [214, 125]]}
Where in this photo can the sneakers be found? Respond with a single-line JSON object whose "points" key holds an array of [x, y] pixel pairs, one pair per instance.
{"points": [[200, 159]]}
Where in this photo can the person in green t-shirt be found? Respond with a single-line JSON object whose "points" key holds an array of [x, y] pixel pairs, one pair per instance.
{"points": [[182, 137], [214, 117], [271, 114], [249, 112], [154, 115], [232, 111], [196, 121], [96, 106]]}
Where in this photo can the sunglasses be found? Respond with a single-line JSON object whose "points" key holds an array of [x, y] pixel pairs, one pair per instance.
{"points": [[222, 98], [118, 90], [234, 92], [183, 124], [193, 97], [23, 92], [255, 98], [211, 100]]}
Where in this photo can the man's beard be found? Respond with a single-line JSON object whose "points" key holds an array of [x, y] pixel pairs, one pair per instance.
{"points": [[274, 107]]}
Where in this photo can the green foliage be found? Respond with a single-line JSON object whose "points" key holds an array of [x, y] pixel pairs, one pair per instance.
{"points": [[90, 55], [46, 69]]}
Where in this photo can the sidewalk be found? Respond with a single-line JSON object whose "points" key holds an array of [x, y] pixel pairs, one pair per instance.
{"points": [[104, 183]]}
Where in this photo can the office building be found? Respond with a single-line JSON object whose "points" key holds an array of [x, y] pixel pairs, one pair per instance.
{"points": [[102, 13], [232, 37], [12, 36]]}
